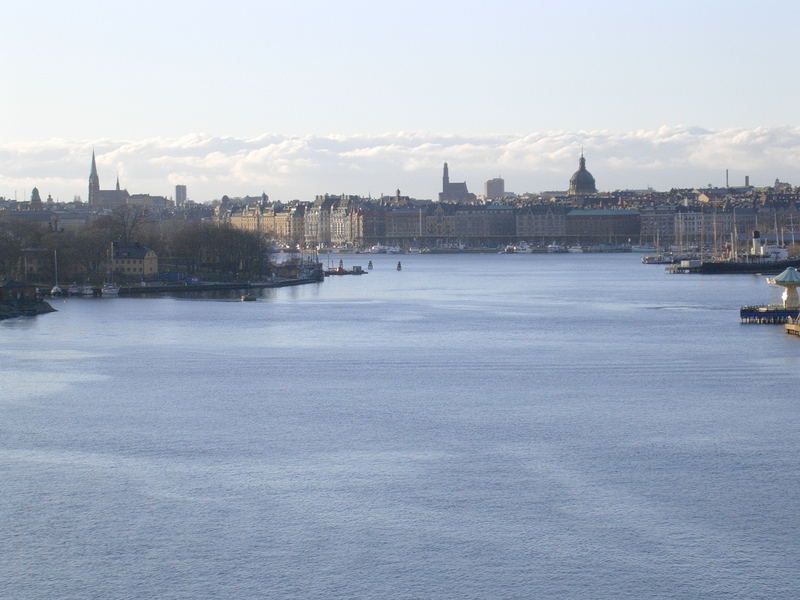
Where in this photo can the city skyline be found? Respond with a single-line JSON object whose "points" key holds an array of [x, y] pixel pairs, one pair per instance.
{"points": [[295, 167]]}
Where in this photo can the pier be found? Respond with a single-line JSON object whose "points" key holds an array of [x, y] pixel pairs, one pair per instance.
{"points": [[768, 314], [184, 288], [792, 329]]}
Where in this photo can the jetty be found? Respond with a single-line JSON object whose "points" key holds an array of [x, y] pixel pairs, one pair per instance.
{"points": [[777, 314], [184, 287]]}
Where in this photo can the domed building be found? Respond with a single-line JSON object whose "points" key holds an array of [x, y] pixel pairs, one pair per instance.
{"points": [[582, 181]]}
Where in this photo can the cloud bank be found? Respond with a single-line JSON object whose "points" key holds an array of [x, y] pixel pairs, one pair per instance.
{"points": [[288, 167]]}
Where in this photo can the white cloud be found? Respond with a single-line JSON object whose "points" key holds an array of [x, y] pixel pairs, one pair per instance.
{"points": [[287, 167]]}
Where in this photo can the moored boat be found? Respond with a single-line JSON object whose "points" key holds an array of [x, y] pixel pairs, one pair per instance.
{"points": [[110, 289]]}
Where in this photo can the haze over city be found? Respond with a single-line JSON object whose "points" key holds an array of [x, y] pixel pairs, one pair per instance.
{"points": [[365, 98]]}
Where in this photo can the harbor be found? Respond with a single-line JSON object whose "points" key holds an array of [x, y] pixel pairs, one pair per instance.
{"points": [[181, 412]]}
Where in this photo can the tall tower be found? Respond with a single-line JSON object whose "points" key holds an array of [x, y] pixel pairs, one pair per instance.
{"points": [[180, 195], [445, 179], [94, 182]]}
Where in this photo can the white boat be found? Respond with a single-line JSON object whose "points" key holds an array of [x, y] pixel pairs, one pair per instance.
{"points": [[643, 248], [575, 249], [73, 290], [87, 290], [387, 249], [110, 289], [553, 248], [522, 248], [56, 290]]}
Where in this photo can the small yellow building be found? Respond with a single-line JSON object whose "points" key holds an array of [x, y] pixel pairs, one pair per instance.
{"points": [[133, 260]]}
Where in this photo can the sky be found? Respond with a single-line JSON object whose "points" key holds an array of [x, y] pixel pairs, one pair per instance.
{"points": [[301, 98]]}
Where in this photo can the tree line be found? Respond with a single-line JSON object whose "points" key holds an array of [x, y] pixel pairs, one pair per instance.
{"points": [[194, 248]]}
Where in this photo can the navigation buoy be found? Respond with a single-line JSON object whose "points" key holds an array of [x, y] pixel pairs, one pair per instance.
{"points": [[399, 266]]}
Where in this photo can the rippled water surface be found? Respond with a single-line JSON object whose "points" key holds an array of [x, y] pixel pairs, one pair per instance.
{"points": [[470, 427]]}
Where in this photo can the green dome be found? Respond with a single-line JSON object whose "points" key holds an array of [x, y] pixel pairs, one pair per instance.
{"points": [[790, 276]]}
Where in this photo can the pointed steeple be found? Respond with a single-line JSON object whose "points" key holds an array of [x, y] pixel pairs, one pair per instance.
{"points": [[445, 178], [117, 181], [94, 181]]}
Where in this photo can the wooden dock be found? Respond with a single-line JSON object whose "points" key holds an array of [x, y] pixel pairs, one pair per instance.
{"points": [[792, 329], [769, 314]]}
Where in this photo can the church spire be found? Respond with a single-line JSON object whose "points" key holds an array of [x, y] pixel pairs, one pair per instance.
{"points": [[94, 181], [445, 178], [117, 181]]}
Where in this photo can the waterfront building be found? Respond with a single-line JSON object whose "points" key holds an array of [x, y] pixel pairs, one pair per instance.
{"points": [[369, 225], [403, 225], [341, 221], [657, 226], [582, 182], [603, 225], [318, 222], [440, 224], [289, 223], [132, 260], [541, 222], [486, 225]]}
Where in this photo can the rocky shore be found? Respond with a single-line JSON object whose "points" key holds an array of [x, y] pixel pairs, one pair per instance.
{"points": [[24, 308]]}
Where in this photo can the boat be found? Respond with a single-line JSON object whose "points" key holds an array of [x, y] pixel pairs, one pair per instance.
{"points": [[89, 290], [643, 248], [73, 290], [381, 249], [660, 259], [56, 290], [523, 248], [576, 249], [250, 297], [109, 289], [399, 266], [340, 270], [555, 248], [750, 266], [520, 248]]}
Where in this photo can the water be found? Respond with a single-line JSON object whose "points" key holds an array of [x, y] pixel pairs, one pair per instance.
{"points": [[470, 427]]}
